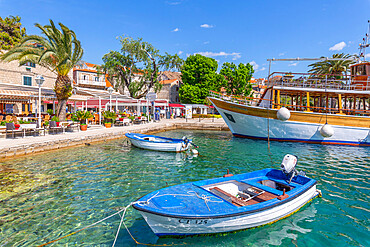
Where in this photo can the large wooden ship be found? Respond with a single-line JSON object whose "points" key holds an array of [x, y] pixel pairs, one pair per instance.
{"points": [[323, 109]]}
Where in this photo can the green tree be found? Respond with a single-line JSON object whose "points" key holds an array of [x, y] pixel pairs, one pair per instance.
{"points": [[11, 32], [238, 78], [136, 66], [59, 52], [336, 68], [199, 75]]}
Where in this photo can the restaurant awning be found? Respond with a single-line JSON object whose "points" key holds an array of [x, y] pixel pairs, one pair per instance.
{"points": [[176, 105]]}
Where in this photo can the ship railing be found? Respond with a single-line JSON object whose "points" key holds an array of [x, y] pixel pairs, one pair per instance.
{"points": [[243, 100], [322, 81], [346, 109]]}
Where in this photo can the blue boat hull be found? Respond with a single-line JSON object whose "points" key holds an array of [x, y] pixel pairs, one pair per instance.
{"points": [[204, 207]]}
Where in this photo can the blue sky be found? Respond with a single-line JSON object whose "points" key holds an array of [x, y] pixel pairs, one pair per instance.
{"points": [[229, 31]]}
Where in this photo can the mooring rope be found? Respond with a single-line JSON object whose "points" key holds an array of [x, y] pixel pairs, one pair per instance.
{"points": [[190, 193]]}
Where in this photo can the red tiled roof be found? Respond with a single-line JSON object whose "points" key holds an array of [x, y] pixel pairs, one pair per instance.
{"points": [[168, 81]]}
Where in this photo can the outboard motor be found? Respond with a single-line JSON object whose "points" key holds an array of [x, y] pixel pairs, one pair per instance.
{"points": [[288, 166], [185, 139]]}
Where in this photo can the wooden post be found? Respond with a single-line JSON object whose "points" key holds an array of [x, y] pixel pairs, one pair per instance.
{"points": [[300, 101], [273, 99], [340, 103], [354, 105], [308, 101], [327, 102], [278, 99]]}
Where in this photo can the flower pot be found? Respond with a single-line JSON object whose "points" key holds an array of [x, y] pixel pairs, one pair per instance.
{"points": [[108, 125], [83, 127]]}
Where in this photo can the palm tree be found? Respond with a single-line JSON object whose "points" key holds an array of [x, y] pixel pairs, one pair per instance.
{"points": [[335, 68], [59, 52]]}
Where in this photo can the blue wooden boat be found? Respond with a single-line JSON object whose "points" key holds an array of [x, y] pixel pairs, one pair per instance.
{"points": [[225, 204], [159, 143]]}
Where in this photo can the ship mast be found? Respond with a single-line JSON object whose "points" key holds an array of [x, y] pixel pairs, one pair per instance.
{"points": [[365, 43]]}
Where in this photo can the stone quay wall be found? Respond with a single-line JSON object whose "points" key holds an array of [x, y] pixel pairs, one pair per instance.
{"points": [[10, 148]]}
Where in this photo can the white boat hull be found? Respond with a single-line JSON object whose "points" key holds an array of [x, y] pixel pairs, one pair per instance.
{"points": [[166, 147], [166, 225], [256, 127]]}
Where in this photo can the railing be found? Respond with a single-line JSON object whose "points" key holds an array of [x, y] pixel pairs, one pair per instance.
{"points": [[250, 101], [304, 80], [90, 82]]}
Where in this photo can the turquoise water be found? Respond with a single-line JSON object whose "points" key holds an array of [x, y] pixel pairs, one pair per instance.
{"points": [[91, 182]]}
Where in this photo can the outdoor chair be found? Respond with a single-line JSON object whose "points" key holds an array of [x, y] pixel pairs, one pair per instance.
{"points": [[73, 125], [15, 119], [38, 128], [54, 127], [10, 128], [1, 117], [96, 117], [8, 118], [90, 120]]}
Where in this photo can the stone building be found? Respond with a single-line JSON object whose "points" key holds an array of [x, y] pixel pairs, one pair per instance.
{"points": [[170, 90], [86, 75], [18, 87]]}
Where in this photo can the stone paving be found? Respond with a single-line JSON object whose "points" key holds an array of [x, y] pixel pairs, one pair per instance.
{"points": [[22, 146]]}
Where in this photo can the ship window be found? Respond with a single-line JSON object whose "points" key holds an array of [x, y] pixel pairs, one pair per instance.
{"points": [[230, 117]]}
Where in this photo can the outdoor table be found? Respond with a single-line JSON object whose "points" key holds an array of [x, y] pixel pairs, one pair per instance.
{"points": [[64, 125], [25, 127]]}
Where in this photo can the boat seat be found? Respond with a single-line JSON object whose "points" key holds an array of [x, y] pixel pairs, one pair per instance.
{"points": [[228, 197]]}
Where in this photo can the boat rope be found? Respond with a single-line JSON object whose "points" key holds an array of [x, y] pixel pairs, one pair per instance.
{"points": [[189, 193]]}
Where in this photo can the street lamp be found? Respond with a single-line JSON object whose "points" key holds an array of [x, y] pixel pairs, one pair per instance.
{"points": [[110, 90], [39, 81]]}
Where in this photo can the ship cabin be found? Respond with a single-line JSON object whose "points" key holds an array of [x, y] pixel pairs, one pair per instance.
{"points": [[333, 94]]}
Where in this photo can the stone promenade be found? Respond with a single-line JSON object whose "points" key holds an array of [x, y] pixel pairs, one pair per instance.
{"points": [[29, 145]]}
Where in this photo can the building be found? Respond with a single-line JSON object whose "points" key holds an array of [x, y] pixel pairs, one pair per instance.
{"points": [[86, 75], [170, 90], [19, 90]]}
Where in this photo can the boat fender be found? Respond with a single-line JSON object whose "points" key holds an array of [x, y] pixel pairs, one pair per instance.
{"points": [[283, 114], [283, 196], [195, 152], [228, 174], [327, 131]]}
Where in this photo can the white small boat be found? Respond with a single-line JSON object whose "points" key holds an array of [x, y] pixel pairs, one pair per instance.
{"points": [[159, 143], [229, 203]]}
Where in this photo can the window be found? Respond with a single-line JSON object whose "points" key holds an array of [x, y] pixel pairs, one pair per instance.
{"points": [[27, 80], [85, 77], [96, 78], [29, 64]]}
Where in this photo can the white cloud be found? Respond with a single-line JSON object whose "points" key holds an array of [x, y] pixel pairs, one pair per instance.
{"points": [[293, 64], [338, 47], [206, 42], [175, 30], [180, 52], [281, 54], [206, 26], [255, 65], [367, 55], [235, 55], [262, 69]]}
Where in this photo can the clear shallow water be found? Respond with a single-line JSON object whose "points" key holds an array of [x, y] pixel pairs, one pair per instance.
{"points": [[91, 182]]}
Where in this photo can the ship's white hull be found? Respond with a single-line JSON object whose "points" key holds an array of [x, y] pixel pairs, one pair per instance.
{"points": [[164, 146], [256, 127], [167, 225]]}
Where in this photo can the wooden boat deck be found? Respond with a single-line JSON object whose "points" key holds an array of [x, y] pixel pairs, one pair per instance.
{"points": [[240, 202]]}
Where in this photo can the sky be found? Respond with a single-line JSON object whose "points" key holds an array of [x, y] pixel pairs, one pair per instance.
{"points": [[244, 31]]}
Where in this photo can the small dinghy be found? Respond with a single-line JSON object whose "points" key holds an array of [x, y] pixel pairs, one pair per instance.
{"points": [[159, 143], [229, 203]]}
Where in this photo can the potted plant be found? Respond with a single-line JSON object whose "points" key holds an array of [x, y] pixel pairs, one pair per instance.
{"points": [[109, 118], [56, 119], [50, 111], [82, 116]]}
